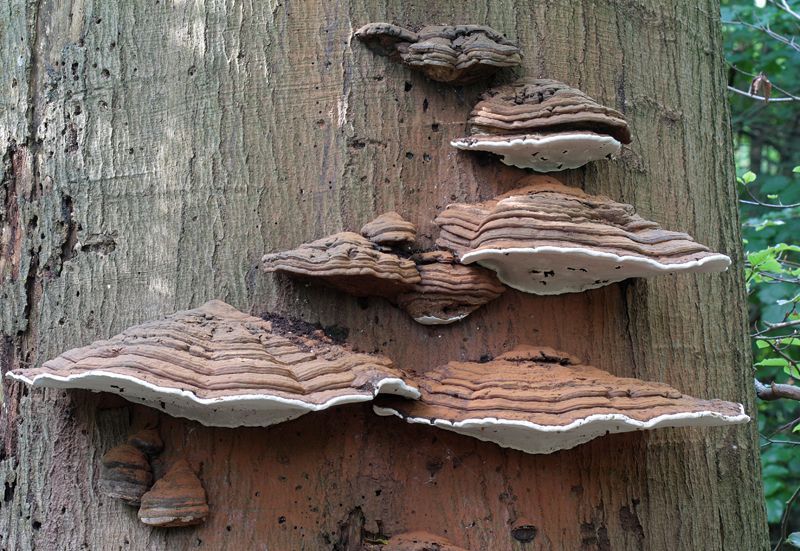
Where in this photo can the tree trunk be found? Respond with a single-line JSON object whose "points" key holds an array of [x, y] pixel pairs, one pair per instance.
{"points": [[154, 150]]}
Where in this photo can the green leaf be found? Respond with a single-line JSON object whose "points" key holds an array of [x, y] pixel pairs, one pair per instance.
{"points": [[773, 362], [794, 539], [796, 170], [748, 177]]}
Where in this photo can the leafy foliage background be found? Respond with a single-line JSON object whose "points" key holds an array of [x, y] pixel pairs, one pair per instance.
{"points": [[760, 38]]}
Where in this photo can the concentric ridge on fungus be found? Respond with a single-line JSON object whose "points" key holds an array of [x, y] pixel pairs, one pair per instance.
{"points": [[548, 238], [545, 125], [222, 367], [177, 499], [457, 54], [539, 400]]}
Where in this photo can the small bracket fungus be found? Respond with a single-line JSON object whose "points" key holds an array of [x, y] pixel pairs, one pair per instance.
{"points": [[222, 367], [419, 541], [348, 262], [550, 239], [545, 125], [177, 499], [457, 54], [538, 400], [390, 230], [125, 474], [448, 291], [434, 288]]}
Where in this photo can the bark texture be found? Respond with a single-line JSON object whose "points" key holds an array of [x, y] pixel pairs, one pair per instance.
{"points": [[154, 150]]}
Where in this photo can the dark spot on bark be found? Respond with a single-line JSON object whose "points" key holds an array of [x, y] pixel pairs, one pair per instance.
{"points": [[629, 521], [407, 86], [434, 465], [8, 493], [425, 105], [409, 155], [435, 127], [485, 358], [281, 519], [192, 70], [36, 524], [524, 533]]}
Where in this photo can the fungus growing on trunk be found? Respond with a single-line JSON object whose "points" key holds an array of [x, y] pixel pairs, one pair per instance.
{"points": [[548, 239], [457, 54], [125, 474], [448, 291], [419, 541], [348, 262], [222, 367], [390, 230], [177, 499], [538, 400], [545, 125]]}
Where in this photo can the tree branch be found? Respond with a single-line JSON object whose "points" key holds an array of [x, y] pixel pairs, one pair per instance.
{"points": [[762, 98], [785, 519], [775, 391]]}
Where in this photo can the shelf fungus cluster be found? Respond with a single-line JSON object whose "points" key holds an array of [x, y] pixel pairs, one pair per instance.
{"points": [[545, 125], [549, 239], [434, 288], [538, 400], [222, 367], [457, 54], [176, 499]]}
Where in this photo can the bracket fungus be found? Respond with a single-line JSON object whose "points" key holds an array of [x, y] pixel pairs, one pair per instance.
{"points": [[550, 239], [448, 291], [419, 541], [125, 474], [545, 125], [538, 400], [222, 367], [457, 54], [349, 262], [177, 499], [434, 287]]}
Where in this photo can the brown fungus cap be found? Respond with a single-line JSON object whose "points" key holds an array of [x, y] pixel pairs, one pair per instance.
{"points": [[125, 474], [177, 499], [539, 400], [548, 238], [449, 291], [347, 261], [389, 229], [457, 54], [222, 367], [545, 125], [418, 541]]}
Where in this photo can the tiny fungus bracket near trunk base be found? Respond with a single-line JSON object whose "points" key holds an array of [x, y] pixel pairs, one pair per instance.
{"points": [[222, 367], [177, 499], [433, 287], [456, 54], [548, 239], [544, 125], [539, 400]]}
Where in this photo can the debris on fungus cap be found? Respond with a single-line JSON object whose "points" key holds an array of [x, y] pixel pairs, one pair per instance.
{"points": [[545, 125], [347, 261], [538, 400], [448, 291], [548, 239], [125, 474], [457, 54], [390, 230], [177, 499], [419, 541], [222, 367]]}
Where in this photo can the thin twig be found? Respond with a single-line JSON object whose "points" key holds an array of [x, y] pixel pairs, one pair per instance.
{"points": [[774, 391], [762, 98], [769, 32], [785, 519]]}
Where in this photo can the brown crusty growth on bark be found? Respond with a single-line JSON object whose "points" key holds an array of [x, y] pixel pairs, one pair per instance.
{"points": [[389, 230], [542, 105], [449, 291], [418, 541], [348, 262], [222, 367], [125, 474], [177, 499], [539, 400], [548, 238], [457, 54]]}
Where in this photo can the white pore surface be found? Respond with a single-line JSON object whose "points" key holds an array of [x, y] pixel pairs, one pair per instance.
{"points": [[532, 438], [546, 152], [248, 410], [557, 270], [433, 320]]}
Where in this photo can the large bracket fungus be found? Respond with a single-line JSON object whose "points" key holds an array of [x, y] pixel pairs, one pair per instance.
{"points": [[549, 239], [545, 125], [222, 367], [457, 54], [538, 400], [434, 288], [177, 499]]}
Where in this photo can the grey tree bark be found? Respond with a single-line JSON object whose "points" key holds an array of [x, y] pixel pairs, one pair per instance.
{"points": [[154, 150]]}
